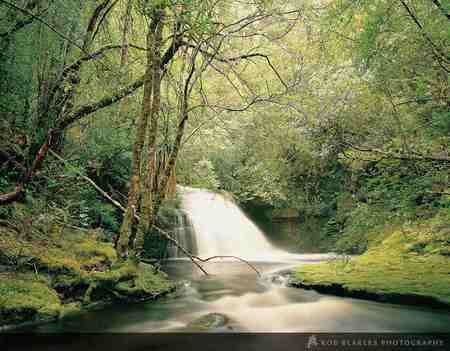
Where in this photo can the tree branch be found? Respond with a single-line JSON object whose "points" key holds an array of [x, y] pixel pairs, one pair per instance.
{"points": [[119, 95], [234, 257], [18, 192], [241, 57], [102, 103], [440, 56], [99, 53], [418, 157]]}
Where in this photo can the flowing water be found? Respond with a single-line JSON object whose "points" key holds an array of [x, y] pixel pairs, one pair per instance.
{"points": [[215, 226], [222, 229]]}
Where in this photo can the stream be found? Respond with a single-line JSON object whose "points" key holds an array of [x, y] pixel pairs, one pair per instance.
{"points": [[233, 298], [251, 304]]}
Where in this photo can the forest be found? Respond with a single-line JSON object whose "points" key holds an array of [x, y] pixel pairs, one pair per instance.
{"points": [[332, 116]]}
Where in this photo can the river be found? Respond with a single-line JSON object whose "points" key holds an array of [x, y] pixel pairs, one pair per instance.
{"points": [[252, 304], [247, 302]]}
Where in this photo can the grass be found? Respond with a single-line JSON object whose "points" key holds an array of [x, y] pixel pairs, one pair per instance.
{"points": [[412, 259]]}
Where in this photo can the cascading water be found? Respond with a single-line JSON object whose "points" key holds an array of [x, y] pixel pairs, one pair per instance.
{"points": [[184, 234], [222, 229]]}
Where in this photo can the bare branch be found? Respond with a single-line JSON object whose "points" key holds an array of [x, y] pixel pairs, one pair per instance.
{"points": [[234, 257], [97, 54], [239, 58], [440, 56]]}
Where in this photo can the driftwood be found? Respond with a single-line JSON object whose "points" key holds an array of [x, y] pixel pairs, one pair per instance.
{"points": [[118, 205]]}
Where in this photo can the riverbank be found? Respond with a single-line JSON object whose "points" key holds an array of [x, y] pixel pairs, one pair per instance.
{"points": [[48, 276], [408, 264]]}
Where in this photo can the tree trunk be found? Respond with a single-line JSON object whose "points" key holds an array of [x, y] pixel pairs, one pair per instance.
{"points": [[126, 29], [168, 171], [184, 115], [134, 192], [149, 173]]}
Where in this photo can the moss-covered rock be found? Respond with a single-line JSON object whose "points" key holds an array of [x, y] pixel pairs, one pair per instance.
{"points": [[137, 282], [24, 297], [209, 322]]}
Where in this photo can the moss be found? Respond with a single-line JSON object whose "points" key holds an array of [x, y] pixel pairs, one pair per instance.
{"points": [[56, 276], [120, 271], [25, 297], [152, 281], [208, 322], [409, 260], [101, 252], [145, 281], [70, 309], [73, 255]]}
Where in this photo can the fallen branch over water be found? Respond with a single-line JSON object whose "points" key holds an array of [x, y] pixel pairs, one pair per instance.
{"points": [[235, 257], [183, 249], [194, 257]]}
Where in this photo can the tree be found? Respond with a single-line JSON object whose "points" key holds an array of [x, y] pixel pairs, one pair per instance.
{"points": [[202, 39]]}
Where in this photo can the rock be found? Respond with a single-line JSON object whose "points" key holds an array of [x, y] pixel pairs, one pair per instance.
{"points": [[210, 322], [285, 214]]}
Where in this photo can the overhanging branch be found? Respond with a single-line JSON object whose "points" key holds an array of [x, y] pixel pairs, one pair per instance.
{"points": [[86, 110]]}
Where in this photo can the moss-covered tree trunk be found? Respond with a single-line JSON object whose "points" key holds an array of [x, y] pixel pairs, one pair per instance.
{"points": [[149, 171], [125, 31], [169, 169], [142, 120]]}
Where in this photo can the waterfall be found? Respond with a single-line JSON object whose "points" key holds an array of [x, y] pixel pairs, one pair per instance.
{"points": [[222, 229], [184, 234]]}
